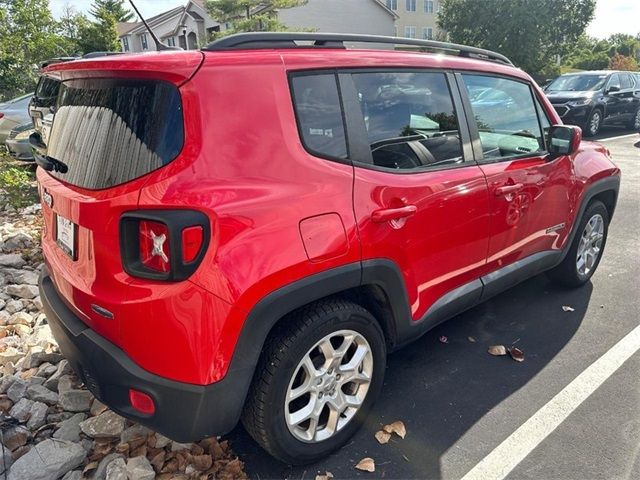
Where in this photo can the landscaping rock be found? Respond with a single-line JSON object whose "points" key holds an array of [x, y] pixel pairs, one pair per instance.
{"points": [[22, 291], [21, 411], [15, 437], [70, 429], [13, 260], [6, 460], [117, 470], [40, 393], [140, 469], [18, 389], [48, 460], [21, 318], [75, 400], [63, 369], [37, 416], [101, 472], [35, 359], [74, 475], [106, 425]]}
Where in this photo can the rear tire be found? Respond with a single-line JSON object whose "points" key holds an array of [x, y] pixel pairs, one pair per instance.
{"points": [[586, 250], [594, 122], [634, 123], [328, 356]]}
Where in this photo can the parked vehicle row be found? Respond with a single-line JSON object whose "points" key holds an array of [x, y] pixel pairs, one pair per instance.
{"points": [[594, 99], [280, 212]]}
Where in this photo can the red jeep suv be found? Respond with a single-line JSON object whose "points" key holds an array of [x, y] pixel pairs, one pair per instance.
{"points": [[244, 232]]}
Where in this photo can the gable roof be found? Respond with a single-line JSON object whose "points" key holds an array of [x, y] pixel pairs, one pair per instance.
{"points": [[124, 27], [157, 19]]}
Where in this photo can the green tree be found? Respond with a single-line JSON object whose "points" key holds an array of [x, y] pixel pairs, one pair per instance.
{"points": [[115, 7], [532, 33], [100, 35], [28, 35], [249, 15]]}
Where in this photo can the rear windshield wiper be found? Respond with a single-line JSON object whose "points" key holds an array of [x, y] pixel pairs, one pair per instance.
{"points": [[51, 164], [48, 163]]}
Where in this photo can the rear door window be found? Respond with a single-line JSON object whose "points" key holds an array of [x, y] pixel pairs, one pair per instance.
{"points": [[109, 132], [410, 119]]}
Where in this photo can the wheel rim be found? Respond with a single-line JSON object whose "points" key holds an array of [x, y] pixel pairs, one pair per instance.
{"points": [[594, 124], [328, 386], [636, 122], [590, 245]]}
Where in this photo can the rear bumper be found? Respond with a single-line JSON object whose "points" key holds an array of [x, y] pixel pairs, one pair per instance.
{"points": [[183, 412], [19, 149]]}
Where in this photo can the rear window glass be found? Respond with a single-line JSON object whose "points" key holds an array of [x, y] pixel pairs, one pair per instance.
{"points": [[317, 106], [109, 132]]}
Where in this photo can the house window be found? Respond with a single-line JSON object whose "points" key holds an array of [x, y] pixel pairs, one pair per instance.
{"points": [[411, 5], [171, 41], [125, 44], [143, 41], [392, 4], [427, 33], [428, 6], [410, 32]]}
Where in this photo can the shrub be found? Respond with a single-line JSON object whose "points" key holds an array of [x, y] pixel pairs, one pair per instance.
{"points": [[17, 185]]}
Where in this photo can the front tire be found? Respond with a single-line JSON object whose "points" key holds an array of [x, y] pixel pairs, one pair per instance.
{"points": [[586, 250], [317, 379], [594, 122]]}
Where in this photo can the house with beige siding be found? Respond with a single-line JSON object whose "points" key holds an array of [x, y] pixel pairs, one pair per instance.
{"points": [[416, 18]]}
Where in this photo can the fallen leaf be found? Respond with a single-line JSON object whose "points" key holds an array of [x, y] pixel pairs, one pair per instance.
{"points": [[382, 436], [497, 350], [516, 354], [324, 476], [471, 339], [367, 465], [567, 308], [202, 462], [397, 428], [89, 468], [444, 339]]}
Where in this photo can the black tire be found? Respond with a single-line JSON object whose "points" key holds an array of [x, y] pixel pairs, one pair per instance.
{"points": [[566, 273], [634, 122], [592, 128], [264, 412]]}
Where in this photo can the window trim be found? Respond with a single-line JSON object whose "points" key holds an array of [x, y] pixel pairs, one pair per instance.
{"points": [[473, 127], [291, 75]]}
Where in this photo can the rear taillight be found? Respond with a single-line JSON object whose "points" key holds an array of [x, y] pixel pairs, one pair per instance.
{"points": [[1, 114], [154, 245], [163, 244]]}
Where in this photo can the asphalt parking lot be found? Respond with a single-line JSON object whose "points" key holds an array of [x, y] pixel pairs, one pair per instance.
{"points": [[459, 403]]}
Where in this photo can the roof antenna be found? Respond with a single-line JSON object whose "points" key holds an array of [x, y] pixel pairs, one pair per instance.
{"points": [[159, 45]]}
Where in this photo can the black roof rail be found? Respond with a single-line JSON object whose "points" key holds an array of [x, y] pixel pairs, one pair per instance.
{"points": [[100, 54], [269, 40]]}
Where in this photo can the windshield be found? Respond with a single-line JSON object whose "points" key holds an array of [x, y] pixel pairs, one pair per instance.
{"points": [[577, 83]]}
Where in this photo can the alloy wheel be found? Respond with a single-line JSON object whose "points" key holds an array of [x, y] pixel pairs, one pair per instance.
{"points": [[594, 123], [590, 245], [636, 121], [328, 386]]}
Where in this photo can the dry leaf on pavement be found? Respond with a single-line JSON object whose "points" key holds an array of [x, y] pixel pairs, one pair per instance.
{"points": [[324, 476], [516, 354], [382, 436], [397, 428], [367, 465], [497, 350], [567, 308]]}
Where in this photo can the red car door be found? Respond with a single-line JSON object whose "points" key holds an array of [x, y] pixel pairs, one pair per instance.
{"points": [[529, 195], [419, 198]]}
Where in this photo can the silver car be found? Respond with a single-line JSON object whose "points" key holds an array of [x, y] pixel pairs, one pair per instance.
{"points": [[13, 113]]}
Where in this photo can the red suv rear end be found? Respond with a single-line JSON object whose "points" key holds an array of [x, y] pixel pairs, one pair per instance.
{"points": [[248, 229]]}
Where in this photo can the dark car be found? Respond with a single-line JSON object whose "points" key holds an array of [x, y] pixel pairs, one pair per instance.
{"points": [[593, 99]]}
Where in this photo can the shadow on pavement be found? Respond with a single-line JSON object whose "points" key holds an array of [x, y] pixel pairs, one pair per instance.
{"points": [[610, 131], [441, 390]]}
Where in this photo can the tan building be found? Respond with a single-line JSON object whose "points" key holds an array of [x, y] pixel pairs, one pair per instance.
{"points": [[416, 18]]}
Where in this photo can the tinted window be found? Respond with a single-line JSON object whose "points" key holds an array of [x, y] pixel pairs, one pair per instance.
{"points": [[317, 106], [615, 81], [507, 122], [577, 83], [410, 119], [47, 91], [111, 131], [625, 81]]}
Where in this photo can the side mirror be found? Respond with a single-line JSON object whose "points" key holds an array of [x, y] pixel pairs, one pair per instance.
{"points": [[564, 139], [613, 88]]}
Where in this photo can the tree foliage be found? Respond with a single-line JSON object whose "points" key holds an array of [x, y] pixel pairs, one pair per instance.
{"points": [[28, 35], [115, 8], [249, 15], [532, 33]]}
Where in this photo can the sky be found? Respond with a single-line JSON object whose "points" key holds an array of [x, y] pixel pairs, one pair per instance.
{"points": [[612, 16]]}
